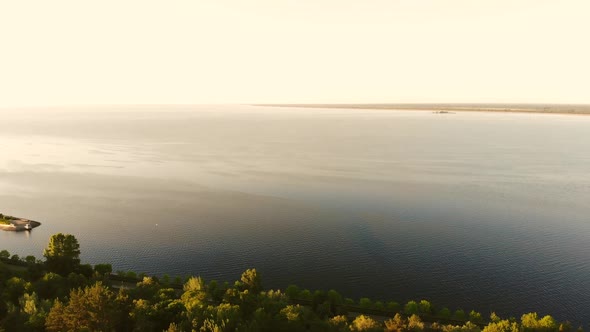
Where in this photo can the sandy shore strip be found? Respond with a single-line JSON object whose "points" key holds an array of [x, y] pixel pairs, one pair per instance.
{"points": [[501, 108]]}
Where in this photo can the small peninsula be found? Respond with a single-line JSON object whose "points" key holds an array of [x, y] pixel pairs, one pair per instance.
{"points": [[14, 224]]}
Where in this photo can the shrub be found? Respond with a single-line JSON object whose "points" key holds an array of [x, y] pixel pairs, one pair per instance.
{"points": [[411, 308], [365, 303], [444, 313], [393, 306], [459, 314], [364, 323], [475, 316]]}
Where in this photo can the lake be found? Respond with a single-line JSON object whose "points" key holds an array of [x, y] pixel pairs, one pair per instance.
{"points": [[482, 211]]}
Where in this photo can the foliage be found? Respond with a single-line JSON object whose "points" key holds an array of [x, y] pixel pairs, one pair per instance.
{"points": [[531, 321], [425, 307], [459, 314], [365, 323], [62, 254], [365, 302], [397, 323], [5, 220], [393, 306], [251, 280], [475, 316], [444, 313], [411, 308], [92, 308], [103, 269], [415, 323], [498, 325]]}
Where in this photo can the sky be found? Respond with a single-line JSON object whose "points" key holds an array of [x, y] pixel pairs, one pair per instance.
{"points": [[80, 52]]}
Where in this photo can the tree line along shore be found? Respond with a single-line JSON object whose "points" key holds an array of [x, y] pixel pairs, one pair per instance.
{"points": [[59, 293]]}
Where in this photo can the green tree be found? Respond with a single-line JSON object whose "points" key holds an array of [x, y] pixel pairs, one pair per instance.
{"points": [[62, 253], [548, 322], [252, 281], [501, 326], [194, 299], [224, 317], [293, 313], [475, 317], [318, 298], [56, 320], [146, 289], [444, 313], [51, 285], [411, 308], [30, 259], [365, 323], [34, 311], [93, 308], [103, 269], [339, 323], [395, 324], [143, 315], [292, 291], [425, 307], [393, 306], [415, 323], [532, 321], [459, 314], [15, 288], [365, 303], [565, 327], [215, 291], [494, 318], [378, 305], [305, 294], [173, 328], [195, 289]]}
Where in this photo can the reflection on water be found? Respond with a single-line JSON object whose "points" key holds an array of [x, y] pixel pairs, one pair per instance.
{"points": [[482, 210]]}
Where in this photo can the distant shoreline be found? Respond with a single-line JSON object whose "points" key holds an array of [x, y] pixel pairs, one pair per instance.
{"points": [[497, 108]]}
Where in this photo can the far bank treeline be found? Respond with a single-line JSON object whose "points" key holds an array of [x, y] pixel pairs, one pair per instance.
{"points": [[61, 294]]}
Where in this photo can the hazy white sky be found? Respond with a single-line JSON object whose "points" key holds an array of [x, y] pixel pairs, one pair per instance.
{"points": [[217, 51]]}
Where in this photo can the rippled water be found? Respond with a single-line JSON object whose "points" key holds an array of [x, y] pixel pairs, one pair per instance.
{"points": [[473, 210]]}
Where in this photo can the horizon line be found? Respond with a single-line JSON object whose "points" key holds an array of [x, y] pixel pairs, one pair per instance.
{"points": [[294, 104]]}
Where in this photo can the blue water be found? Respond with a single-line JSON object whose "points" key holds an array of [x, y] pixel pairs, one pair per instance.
{"points": [[482, 211]]}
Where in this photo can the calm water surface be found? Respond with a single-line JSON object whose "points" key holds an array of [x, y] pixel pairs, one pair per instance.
{"points": [[474, 210]]}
